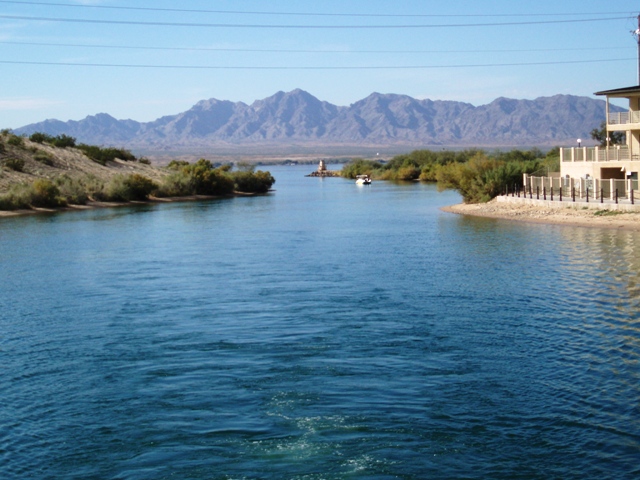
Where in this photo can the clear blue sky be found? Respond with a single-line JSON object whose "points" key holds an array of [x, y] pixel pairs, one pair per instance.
{"points": [[142, 59]]}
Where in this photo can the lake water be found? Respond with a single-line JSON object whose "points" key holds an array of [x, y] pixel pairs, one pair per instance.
{"points": [[324, 331]]}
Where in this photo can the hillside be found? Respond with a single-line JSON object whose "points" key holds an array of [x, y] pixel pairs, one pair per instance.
{"points": [[41, 160], [43, 171], [298, 120]]}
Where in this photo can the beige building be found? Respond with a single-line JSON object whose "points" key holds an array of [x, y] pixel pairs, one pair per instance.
{"points": [[600, 165]]}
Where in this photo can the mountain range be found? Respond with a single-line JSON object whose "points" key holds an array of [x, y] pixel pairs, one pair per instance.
{"points": [[299, 118]]}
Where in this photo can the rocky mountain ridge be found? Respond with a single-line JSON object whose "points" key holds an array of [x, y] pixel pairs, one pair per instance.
{"points": [[299, 118]]}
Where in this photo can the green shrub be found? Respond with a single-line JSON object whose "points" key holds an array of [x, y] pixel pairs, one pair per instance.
{"points": [[39, 137], [75, 191], [45, 194], [126, 188], [2, 147], [144, 161], [63, 141], [483, 178], [178, 184], [13, 163], [43, 157], [5, 203], [15, 140], [206, 180], [41, 193], [177, 164], [248, 181], [361, 167], [60, 141], [407, 173], [429, 173], [16, 198], [104, 155], [607, 213]]}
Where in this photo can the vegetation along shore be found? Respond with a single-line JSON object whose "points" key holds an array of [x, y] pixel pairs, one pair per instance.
{"points": [[46, 172], [43, 172], [480, 177]]}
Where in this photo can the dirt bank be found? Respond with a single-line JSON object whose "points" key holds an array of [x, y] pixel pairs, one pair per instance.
{"points": [[541, 214]]}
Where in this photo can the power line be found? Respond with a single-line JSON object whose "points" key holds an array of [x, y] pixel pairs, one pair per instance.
{"points": [[292, 26], [304, 14], [255, 67], [274, 50]]}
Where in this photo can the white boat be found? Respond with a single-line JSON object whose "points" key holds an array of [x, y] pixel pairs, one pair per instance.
{"points": [[363, 180]]}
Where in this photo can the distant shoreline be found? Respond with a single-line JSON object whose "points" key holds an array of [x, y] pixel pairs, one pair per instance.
{"points": [[530, 213]]}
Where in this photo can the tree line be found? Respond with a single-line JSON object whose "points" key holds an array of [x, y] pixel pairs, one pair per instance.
{"points": [[476, 174]]}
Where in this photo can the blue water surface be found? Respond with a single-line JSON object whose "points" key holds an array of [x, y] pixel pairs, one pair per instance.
{"points": [[323, 331]]}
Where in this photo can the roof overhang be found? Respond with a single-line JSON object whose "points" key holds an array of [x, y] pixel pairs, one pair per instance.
{"points": [[621, 92]]}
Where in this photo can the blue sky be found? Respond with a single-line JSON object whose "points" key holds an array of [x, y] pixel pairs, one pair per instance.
{"points": [[142, 59]]}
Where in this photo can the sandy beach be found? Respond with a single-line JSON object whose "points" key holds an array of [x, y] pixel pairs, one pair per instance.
{"points": [[522, 212]]}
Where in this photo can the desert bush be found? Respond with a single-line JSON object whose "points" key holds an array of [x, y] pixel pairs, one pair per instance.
{"points": [[39, 137], [104, 155], [43, 157], [204, 179], [60, 141], [178, 184], [126, 188], [177, 164], [63, 141], [13, 163], [15, 140], [2, 147], [248, 181], [483, 178], [45, 194], [75, 191], [212, 182], [429, 172], [407, 173], [41, 193], [144, 161], [16, 198], [361, 167]]}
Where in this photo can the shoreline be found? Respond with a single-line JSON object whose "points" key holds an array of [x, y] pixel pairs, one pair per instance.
{"points": [[531, 213], [97, 205]]}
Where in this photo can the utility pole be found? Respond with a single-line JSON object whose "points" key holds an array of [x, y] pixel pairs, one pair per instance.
{"points": [[637, 35]]}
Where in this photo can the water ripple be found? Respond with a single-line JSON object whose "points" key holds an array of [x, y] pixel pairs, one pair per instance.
{"points": [[285, 337]]}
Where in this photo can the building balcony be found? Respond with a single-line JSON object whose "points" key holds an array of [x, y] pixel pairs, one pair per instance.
{"points": [[624, 118], [617, 153]]}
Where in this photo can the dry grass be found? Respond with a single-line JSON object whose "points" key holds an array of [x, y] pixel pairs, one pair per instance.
{"points": [[61, 162]]}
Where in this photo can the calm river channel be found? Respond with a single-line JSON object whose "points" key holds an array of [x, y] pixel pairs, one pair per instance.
{"points": [[324, 331]]}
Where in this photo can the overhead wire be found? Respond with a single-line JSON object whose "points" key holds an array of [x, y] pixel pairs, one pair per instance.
{"points": [[302, 26], [300, 14], [299, 67], [289, 26], [281, 50]]}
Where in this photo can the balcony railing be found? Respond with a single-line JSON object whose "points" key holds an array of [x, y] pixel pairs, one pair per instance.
{"points": [[624, 118], [618, 153], [579, 189]]}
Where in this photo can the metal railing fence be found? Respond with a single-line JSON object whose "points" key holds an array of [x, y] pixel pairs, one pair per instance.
{"points": [[576, 189]]}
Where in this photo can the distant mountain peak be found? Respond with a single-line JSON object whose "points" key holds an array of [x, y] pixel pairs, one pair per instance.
{"points": [[382, 119]]}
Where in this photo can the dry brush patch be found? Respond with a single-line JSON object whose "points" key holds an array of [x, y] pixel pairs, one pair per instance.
{"points": [[30, 169]]}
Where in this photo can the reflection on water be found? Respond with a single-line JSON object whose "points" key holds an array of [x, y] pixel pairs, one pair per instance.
{"points": [[323, 331]]}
